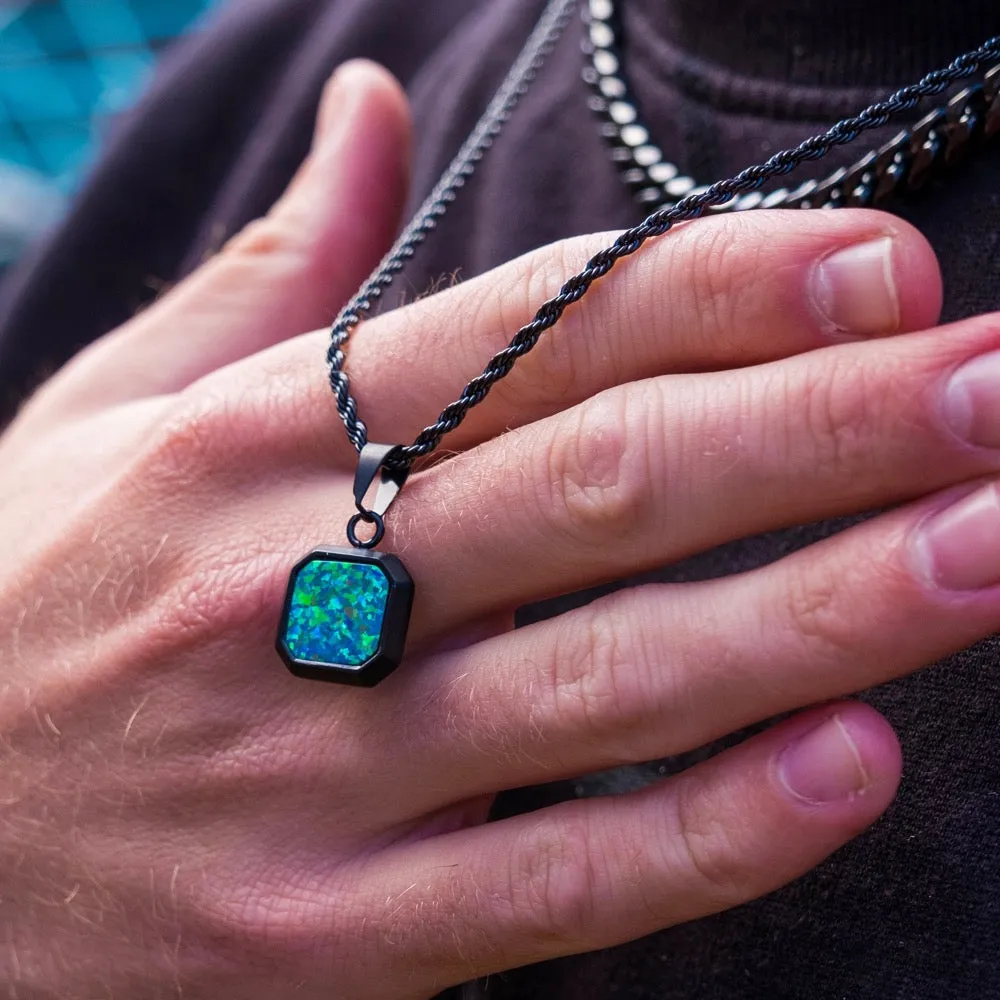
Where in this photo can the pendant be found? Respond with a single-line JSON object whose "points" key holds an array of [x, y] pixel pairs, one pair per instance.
{"points": [[347, 610]]}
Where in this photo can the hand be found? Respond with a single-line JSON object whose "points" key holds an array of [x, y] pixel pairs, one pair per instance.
{"points": [[181, 816]]}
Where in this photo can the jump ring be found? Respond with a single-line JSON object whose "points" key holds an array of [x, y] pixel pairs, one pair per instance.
{"points": [[368, 517]]}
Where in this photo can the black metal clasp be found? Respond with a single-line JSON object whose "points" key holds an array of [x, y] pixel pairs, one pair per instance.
{"points": [[375, 463]]}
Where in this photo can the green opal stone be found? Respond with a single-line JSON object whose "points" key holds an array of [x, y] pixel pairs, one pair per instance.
{"points": [[336, 612]]}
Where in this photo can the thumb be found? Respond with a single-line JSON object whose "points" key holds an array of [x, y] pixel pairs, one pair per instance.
{"points": [[286, 273]]}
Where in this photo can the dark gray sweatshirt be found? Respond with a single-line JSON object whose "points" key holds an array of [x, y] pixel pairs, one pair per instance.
{"points": [[909, 911]]}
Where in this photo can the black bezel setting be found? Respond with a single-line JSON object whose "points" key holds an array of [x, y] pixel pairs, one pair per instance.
{"points": [[392, 641]]}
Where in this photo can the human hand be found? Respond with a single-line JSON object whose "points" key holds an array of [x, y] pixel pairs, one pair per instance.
{"points": [[182, 816]]}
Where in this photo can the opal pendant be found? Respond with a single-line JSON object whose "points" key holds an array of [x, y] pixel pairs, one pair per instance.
{"points": [[345, 617]]}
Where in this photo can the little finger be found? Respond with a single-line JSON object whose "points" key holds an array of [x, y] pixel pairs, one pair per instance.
{"points": [[592, 874]]}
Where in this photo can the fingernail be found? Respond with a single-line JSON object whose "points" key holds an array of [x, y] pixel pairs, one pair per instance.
{"points": [[824, 765], [972, 401], [854, 290], [959, 547]]}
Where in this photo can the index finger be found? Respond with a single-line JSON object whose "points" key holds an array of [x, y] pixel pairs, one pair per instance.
{"points": [[723, 292]]}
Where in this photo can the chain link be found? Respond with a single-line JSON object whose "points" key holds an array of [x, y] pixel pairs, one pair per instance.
{"points": [[933, 145], [942, 138]]}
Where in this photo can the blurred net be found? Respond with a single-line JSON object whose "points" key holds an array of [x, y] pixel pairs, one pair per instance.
{"points": [[66, 67]]}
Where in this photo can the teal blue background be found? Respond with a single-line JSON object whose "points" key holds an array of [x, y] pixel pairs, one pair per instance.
{"points": [[67, 67]]}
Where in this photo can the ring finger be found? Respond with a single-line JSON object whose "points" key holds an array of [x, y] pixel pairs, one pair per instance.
{"points": [[590, 874], [662, 669]]}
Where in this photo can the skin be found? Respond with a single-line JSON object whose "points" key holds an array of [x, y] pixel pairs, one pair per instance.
{"points": [[179, 816]]}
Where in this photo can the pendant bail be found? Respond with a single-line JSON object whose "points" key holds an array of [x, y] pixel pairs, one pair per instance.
{"points": [[373, 464]]}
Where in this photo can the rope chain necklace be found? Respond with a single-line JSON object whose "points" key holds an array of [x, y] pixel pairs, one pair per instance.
{"points": [[347, 610]]}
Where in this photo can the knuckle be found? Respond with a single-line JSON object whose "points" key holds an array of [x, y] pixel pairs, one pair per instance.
{"points": [[252, 920], [226, 592], [192, 459], [553, 882], [841, 405], [719, 262], [552, 370], [816, 612], [706, 842], [827, 598], [550, 374], [218, 428], [275, 245], [596, 689], [596, 481], [196, 437], [264, 237], [714, 281]]}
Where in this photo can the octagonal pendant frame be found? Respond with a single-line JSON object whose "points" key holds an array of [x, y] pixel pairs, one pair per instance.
{"points": [[395, 622]]}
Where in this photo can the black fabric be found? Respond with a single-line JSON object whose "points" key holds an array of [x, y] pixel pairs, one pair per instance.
{"points": [[818, 42], [910, 909]]}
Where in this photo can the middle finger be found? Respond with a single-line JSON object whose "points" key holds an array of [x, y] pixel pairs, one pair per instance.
{"points": [[644, 474]]}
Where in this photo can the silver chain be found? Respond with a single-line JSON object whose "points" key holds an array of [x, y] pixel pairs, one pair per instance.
{"points": [[941, 138]]}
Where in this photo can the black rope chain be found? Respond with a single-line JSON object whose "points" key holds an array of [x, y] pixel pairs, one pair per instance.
{"points": [[542, 40]]}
